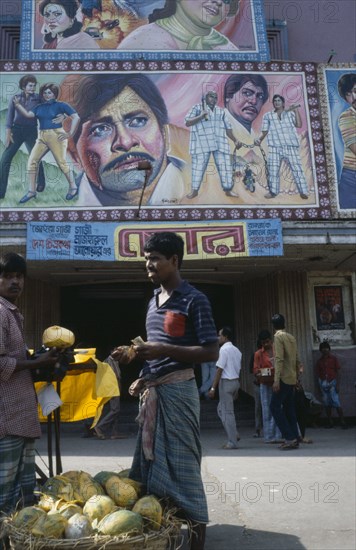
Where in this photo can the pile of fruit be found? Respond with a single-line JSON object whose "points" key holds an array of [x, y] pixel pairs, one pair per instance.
{"points": [[76, 505]]}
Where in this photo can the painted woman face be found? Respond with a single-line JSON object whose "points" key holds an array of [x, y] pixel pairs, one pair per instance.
{"points": [[47, 94], [56, 18], [205, 13]]}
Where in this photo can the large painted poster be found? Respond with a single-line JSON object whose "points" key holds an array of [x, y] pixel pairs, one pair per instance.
{"points": [[98, 141], [338, 90], [144, 29]]}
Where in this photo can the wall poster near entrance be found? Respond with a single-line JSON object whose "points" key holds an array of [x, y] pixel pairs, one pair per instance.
{"points": [[329, 308], [338, 94], [179, 140], [105, 30]]}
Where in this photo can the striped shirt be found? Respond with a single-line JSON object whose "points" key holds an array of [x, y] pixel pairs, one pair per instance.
{"points": [[185, 319], [209, 135], [18, 403], [347, 125]]}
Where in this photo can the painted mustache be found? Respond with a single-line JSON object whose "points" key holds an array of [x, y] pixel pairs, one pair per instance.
{"points": [[128, 158]]}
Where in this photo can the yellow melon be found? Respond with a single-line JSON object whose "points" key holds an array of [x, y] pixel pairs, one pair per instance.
{"points": [[151, 510], [122, 493]]}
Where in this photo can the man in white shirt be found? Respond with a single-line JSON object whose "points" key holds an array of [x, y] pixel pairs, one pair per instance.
{"points": [[228, 379]]}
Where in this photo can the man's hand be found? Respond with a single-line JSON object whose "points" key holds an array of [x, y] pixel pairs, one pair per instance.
{"points": [[150, 350], [124, 354], [47, 359], [136, 387], [275, 387]]}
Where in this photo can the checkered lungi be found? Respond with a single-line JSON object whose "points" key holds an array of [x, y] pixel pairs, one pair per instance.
{"points": [[17, 472], [175, 470], [292, 156]]}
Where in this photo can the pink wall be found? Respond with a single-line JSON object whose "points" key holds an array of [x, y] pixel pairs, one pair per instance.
{"points": [[317, 26]]}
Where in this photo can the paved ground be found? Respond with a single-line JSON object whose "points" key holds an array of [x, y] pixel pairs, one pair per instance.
{"points": [[259, 497]]}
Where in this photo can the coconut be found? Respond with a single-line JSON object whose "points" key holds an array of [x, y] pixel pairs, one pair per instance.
{"points": [[151, 510], [122, 493], [78, 526], [27, 517], [98, 506], [58, 337]]}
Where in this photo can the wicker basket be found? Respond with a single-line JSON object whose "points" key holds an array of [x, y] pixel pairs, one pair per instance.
{"points": [[167, 537]]}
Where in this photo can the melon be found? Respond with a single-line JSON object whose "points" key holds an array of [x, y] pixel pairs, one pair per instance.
{"points": [[98, 506], [151, 510], [69, 509], [135, 484], [78, 526], [102, 477], [60, 487], [122, 493], [58, 337], [121, 522], [27, 517], [50, 526], [88, 487]]}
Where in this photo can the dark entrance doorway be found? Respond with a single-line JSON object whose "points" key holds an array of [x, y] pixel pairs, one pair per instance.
{"points": [[107, 315]]}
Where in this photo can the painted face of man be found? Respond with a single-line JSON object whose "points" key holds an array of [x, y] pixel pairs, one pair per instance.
{"points": [[56, 18], [205, 13], [278, 103], [351, 97], [211, 99], [30, 88], [246, 104], [124, 132]]}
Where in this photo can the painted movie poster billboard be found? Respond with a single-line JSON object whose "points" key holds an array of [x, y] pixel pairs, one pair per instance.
{"points": [[94, 140], [338, 88], [144, 29]]}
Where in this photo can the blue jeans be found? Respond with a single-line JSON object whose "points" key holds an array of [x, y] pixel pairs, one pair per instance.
{"points": [[283, 411]]}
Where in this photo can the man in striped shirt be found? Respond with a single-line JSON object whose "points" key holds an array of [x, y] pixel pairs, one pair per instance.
{"points": [[180, 334]]}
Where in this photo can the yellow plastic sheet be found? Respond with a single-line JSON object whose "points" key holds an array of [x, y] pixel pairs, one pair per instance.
{"points": [[84, 395]]}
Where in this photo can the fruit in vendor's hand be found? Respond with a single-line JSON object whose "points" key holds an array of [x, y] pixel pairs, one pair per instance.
{"points": [[122, 493], [151, 510], [98, 506], [121, 521]]}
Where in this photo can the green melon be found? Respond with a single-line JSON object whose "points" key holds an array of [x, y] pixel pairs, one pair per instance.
{"points": [[121, 522], [27, 517], [150, 509]]}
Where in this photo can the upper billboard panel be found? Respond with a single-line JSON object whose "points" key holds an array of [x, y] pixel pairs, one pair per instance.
{"points": [[227, 30]]}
